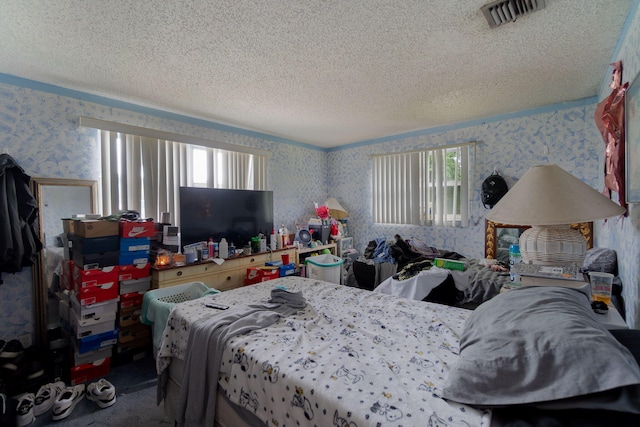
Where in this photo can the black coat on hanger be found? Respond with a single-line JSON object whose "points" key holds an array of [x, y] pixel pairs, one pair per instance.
{"points": [[19, 230]]}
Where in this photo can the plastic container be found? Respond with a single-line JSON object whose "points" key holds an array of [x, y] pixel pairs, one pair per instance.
{"points": [[325, 267], [514, 258], [601, 284], [223, 248], [157, 304]]}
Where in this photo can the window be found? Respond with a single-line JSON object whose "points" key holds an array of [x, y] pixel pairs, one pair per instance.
{"points": [[145, 173], [427, 187]]}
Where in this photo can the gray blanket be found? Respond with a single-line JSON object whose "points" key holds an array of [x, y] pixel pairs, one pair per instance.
{"points": [[196, 404]]}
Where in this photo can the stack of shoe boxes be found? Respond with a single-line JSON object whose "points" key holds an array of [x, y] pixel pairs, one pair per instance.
{"points": [[94, 302], [135, 279]]}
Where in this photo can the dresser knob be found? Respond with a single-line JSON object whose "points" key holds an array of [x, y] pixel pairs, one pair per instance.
{"points": [[179, 273], [228, 278]]}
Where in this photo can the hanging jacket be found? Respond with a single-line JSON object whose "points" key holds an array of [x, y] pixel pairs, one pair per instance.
{"points": [[19, 230]]}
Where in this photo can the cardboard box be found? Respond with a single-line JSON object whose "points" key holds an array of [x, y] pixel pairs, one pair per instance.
{"points": [[131, 229], [287, 270], [133, 332], [133, 344], [97, 310], [131, 300], [90, 371], [94, 245], [96, 277], [450, 264], [135, 244], [99, 293], [86, 327], [66, 275], [90, 356], [261, 274], [134, 258], [94, 342], [135, 285], [95, 228], [129, 316], [133, 271], [96, 260], [67, 225]]}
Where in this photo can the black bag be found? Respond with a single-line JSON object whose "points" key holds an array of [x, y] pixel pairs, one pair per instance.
{"points": [[493, 188]]}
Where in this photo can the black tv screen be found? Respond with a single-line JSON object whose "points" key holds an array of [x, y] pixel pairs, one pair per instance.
{"points": [[236, 215]]}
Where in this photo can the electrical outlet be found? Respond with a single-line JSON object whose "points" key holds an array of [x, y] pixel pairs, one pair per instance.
{"points": [[25, 340]]}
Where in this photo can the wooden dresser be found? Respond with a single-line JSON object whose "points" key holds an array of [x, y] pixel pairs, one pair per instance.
{"points": [[228, 275]]}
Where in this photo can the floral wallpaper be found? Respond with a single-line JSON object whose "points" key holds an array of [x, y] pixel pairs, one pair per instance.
{"points": [[39, 129]]}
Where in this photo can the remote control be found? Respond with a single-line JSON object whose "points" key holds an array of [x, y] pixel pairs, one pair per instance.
{"points": [[216, 305]]}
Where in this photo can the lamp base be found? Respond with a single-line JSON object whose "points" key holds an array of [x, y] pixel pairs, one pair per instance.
{"points": [[553, 245]]}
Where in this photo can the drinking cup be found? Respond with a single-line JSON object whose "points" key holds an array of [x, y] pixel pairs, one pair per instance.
{"points": [[601, 284]]}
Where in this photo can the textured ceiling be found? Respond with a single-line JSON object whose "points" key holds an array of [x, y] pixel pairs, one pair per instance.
{"points": [[326, 73]]}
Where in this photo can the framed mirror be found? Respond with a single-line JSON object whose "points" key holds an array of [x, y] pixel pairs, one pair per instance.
{"points": [[498, 237], [57, 198]]}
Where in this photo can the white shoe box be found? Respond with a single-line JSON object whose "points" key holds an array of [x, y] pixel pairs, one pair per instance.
{"points": [[92, 326], [97, 310]]}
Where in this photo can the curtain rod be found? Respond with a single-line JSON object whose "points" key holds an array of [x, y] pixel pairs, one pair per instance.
{"points": [[441, 147], [90, 122]]}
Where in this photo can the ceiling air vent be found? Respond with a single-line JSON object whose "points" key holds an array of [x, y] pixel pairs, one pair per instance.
{"points": [[501, 12]]}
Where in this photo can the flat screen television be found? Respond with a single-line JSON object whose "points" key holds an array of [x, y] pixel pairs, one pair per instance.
{"points": [[236, 215]]}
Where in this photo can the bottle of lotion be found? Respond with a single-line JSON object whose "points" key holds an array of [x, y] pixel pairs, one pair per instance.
{"points": [[212, 252], [223, 248], [274, 240]]}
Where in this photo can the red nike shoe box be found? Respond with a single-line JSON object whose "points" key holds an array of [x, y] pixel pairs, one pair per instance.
{"points": [[134, 271], [99, 293], [96, 277], [90, 371], [131, 229]]}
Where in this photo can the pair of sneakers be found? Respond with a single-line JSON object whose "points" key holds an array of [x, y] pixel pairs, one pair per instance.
{"points": [[102, 393], [63, 399]]}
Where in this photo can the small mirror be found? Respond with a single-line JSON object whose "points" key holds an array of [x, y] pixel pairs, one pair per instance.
{"points": [[498, 237], [57, 199]]}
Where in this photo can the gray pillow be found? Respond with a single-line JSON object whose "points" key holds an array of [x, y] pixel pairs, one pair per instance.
{"points": [[537, 344]]}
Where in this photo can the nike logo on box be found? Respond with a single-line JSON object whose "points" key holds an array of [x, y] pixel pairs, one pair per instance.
{"points": [[136, 231]]}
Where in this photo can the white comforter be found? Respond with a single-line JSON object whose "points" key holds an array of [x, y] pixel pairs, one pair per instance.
{"points": [[351, 357]]}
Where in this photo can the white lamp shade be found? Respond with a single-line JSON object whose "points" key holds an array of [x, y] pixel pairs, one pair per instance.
{"points": [[548, 195], [335, 209]]}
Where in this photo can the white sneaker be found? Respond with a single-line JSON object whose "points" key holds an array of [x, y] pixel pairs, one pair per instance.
{"points": [[46, 397], [103, 393], [24, 410], [67, 401]]}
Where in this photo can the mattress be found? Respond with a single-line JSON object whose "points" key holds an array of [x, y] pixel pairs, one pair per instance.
{"points": [[350, 357]]}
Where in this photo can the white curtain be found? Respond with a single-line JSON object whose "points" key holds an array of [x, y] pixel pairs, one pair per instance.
{"points": [[426, 187], [145, 174]]}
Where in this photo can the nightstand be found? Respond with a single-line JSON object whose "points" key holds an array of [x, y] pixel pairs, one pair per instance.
{"points": [[612, 319]]}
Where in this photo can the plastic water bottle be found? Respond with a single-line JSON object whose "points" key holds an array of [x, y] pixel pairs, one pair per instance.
{"points": [[514, 258]]}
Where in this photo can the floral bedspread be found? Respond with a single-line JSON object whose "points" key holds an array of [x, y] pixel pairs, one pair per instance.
{"points": [[350, 358]]}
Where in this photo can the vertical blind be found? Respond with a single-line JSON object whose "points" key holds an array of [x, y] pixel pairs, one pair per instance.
{"points": [[145, 174], [426, 187]]}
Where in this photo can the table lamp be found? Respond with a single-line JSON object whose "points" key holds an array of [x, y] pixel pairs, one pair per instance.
{"points": [[550, 199], [335, 209]]}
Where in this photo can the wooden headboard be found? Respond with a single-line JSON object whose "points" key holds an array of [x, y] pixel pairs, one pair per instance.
{"points": [[491, 235]]}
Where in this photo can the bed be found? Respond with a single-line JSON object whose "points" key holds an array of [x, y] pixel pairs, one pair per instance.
{"points": [[352, 357]]}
